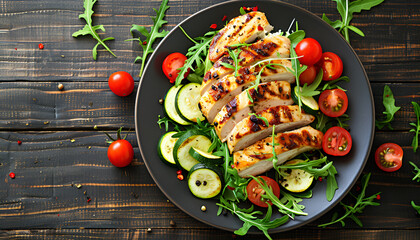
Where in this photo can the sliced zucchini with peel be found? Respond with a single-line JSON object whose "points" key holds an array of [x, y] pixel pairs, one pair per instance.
{"points": [[309, 104], [205, 157], [182, 147], [204, 181], [170, 108], [187, 100], [296, 180], [166, 148]]}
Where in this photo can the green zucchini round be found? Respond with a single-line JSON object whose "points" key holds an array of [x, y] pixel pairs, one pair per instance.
{"points": [[205, 181]]}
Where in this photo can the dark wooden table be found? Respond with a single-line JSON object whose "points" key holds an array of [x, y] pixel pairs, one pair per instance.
{"points": [[61, 149]]}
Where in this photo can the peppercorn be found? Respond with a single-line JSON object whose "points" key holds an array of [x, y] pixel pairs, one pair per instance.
{"points": [[203, 208]]}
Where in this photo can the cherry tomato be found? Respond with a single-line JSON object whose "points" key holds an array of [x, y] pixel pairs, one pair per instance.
{"points": [[172, 63], [255, 191], [333, 103], [121, 83], [331, 65], [120, 153], [388, 157], [309, 51], [337, 141], [308, 76]]}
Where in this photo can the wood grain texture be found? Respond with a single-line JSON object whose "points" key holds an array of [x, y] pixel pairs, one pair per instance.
{"points": [[392, 32], [61, 149]]}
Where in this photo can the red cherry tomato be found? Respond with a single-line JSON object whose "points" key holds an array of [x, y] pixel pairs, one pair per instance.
{"points": [[309, 51], [337, 141], [121, 83], [120, 153], [333, 103], [308, 76], [255, 191], [388, 157], [331, 65], [172, 63]]}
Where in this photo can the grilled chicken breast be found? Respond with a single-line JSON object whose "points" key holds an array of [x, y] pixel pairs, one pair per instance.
{"points": [[275, 46], [252, 129], [252, 160], [243, 29], [266, 95], [225, 89]]}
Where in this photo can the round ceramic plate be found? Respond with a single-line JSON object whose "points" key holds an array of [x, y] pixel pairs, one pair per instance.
{"points": [[154, 86]]}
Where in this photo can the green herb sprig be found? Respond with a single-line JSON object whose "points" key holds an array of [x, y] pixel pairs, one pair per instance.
{"points": [[390, 109], [346, 10], [197, 54], [416, 172], [88, 29], [358, 207], [150, 36], [415, 142], [416, 207]]}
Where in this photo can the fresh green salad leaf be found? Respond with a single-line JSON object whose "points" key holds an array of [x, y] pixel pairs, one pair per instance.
{"points": [[88, 29], [358, 207], [416, 172], [347, 8], [196, 55], [311, 90], [333, 85], [296, 37], [390, 109], [332, 185], [152, 35], [415, 142]]}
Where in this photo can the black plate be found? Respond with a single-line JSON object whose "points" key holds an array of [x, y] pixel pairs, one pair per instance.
{"points": [[154, 86]]}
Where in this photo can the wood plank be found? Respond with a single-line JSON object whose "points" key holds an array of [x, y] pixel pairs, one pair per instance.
{"points": [[48, 165], [56, 22], [182, 233], [83, 105]]}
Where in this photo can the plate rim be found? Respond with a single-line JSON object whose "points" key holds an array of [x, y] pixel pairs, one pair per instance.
{"points": [[275, 230]]}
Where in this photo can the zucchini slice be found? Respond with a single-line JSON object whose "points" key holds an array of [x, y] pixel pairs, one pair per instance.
{"points": [[205, 157], [309, 104], [182, 147], [297, 180], [187, 100], [166, 147], [204, 181], [170, 108]]}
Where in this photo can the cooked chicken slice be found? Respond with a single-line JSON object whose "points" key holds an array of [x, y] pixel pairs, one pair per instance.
{"points": [[275, 46], [253, 159], [266, 95], [243, 29], [252, 129], [225, 89]]}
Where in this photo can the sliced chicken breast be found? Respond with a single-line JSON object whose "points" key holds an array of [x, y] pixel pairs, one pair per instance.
{"points": [[253, 159], [252, 129], [243, 29], [225, 89], [275, 46], [266, 95]]}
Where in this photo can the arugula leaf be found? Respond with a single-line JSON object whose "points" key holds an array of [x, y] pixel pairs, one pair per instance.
{"points": [[358, 207], [416, 172], [390, 109], [311, 90], [234, 54], [415, 142], [297, 70], [196, 54], [152, 35], [332, 84], [346, 10], [296, 37], [332, 185], [88, 29], [417, 208], [324, 122]]}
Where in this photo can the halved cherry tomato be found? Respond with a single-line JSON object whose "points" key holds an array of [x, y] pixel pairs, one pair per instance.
{"points": [[333, 103], [331, 65], [388, 157], [121, 83], [337, 141], [308, 76], [309, 51], [255, 191], [172, 63]]}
